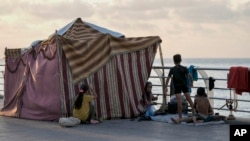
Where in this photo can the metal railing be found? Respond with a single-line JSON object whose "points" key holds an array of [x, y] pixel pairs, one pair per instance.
{"points": [[227, 103], [203, 81]]}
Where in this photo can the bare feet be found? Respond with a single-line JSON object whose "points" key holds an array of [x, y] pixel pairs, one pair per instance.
{"points": [[194, 119], [175, 121], [94, 121]]}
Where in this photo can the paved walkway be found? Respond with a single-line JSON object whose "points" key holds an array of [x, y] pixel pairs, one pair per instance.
{"points": [[13, 129]]}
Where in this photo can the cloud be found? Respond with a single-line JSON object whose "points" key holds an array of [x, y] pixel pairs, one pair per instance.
{"points": [[190, 23], [245, 9], [47, 11], [175, 16], [5, 8]]}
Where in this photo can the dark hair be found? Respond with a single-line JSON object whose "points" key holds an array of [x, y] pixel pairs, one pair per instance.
{"points": [[147, 94], [147, 84], [201, 92], [85, 88], [177, 58], [78, 102]]}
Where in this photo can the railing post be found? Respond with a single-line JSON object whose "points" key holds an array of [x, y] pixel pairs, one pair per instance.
{"points": [[164, 99]]}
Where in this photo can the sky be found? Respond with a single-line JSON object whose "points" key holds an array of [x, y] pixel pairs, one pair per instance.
{"points": [[193, 28]]}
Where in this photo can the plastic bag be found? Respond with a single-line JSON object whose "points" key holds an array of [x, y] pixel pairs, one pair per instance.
{"points": [[150, 111], [69, 121]]}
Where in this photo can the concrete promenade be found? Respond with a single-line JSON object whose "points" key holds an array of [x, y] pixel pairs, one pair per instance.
{"points": [[13, 129]]}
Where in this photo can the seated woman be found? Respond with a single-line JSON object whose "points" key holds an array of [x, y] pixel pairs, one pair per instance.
{"points": [[149, 98], [83, 109], [204, 111]]}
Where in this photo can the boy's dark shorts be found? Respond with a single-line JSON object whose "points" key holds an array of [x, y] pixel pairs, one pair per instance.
{"points": [[180, 89], [209, 118]]}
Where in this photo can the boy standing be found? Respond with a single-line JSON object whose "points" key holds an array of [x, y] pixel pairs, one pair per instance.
{"points": [[179, 75]]}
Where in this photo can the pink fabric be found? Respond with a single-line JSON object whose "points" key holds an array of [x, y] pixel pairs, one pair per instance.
{"points": [[14, 81], [32, 86], [41, 96], [239, 79]]}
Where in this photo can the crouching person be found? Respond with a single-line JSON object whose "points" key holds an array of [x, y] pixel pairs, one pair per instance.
{"points": [[83, 108]]}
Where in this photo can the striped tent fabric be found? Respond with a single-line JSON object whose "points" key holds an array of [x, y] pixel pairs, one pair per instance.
{"points": [[86, 57], [117, 67], [120, 84], [118, 75], [42, 82], [13, 53], [88, 49], [81, 31]]}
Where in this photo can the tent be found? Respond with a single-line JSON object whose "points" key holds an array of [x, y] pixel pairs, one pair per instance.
{"points": [[42, 81]]}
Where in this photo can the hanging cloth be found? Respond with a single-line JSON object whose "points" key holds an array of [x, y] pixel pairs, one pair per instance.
{"points": [[239, 79], [193, 72], [211, 83]]}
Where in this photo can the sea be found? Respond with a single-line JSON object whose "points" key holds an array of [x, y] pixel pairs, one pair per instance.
{"points": [[214, 63], [221, 63]]}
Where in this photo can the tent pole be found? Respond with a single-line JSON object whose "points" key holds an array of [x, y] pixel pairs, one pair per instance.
{"points": [[164, 99], [59, 53]]}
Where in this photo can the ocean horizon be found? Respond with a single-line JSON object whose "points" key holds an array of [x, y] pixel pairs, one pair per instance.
{"points": [[207, 62]]}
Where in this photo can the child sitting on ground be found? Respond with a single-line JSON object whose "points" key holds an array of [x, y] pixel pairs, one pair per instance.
{"points": [[83, 109], [204, 111]]}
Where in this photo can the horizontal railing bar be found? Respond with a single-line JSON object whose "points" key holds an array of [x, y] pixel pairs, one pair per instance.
{"points": [[218, 88], [221, 79], [233, 110], [198, 68], [158, 77], [225, 109], [217, 98]]}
